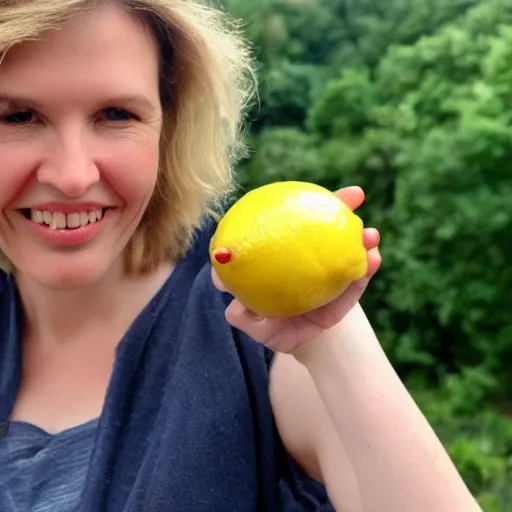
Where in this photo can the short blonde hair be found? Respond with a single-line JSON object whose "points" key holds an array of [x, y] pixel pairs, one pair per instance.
{"points": [[206, 81]]}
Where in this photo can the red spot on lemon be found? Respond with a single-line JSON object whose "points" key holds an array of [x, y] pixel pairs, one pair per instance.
{"points": [[222, 256]]}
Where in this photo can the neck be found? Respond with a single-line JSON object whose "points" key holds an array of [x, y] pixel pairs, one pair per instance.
{"points": [[108, 306]]}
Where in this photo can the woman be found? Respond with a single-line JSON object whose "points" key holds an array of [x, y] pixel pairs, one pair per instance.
{"points": [[122, 385]]}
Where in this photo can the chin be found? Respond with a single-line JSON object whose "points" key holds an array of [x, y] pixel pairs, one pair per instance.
{"points": [[68, 273], [68, 281]]}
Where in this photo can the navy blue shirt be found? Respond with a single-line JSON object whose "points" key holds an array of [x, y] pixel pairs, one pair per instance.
{"points": [[187, 423], [42, 472]]}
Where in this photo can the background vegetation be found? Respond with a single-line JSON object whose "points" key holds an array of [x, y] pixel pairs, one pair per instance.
{"points": [[412, 100]]}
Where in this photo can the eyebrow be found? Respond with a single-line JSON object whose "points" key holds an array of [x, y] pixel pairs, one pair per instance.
{"points": [[12, 102], [135, 100]]}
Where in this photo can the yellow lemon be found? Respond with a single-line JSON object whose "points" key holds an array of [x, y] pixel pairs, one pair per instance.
{"points": [[287, 248]]}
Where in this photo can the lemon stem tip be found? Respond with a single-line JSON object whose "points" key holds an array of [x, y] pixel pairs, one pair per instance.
{"points": [[222, 255]]}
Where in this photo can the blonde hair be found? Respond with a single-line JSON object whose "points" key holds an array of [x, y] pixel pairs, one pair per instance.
{"points": [[206, 81]]}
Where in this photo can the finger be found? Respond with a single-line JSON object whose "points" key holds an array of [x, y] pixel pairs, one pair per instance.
{"points": [[217, 282], [353, 197], [374, 262], [255, 326], [371, 238], [348, 299], [336, 310], [237, 313]]}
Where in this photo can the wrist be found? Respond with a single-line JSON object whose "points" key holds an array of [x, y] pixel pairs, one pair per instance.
{"points": [[317, 350], [352, 340]]}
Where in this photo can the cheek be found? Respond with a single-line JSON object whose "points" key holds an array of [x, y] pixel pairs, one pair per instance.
{"points": [[17, 164], [131, 168]]}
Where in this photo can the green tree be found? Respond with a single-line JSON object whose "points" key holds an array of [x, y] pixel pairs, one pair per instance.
{"points": [[411, 99]]}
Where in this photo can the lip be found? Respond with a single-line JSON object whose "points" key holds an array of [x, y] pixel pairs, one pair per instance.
{"points": [[68, 237]]}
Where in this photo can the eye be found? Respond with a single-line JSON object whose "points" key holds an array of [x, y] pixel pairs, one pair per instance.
{"points": [[117, 115], [19, 118]]}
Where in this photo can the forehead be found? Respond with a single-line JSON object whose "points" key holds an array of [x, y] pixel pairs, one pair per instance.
{"points": [[106, 49]]}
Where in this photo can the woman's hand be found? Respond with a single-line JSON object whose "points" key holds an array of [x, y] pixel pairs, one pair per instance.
{"points": [[287, 334]]}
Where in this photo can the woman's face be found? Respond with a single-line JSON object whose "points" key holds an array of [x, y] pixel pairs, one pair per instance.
{"points": [[80, 123]]}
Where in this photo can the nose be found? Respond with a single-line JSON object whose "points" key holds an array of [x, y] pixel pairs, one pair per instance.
{"points": [[69, 167]]}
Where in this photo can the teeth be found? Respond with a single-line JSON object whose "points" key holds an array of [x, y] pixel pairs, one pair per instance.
{"points": [[84, 218], [73, 220], [59, 220], [37, 216]]}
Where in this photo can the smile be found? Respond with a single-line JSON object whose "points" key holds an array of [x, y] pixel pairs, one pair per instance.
{"points": [[70, 229], [60, 220]]}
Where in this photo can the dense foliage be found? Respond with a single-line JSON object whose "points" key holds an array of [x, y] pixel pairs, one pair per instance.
{"points": [[412, 100]]}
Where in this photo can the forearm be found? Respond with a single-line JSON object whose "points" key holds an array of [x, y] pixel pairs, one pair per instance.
{"points": [[400, 464]]}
